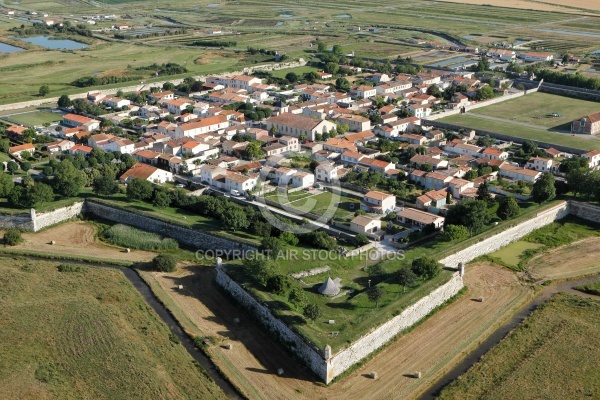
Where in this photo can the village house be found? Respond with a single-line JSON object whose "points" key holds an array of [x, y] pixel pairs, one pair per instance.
{"points": [[299, 125], [588, 125], [419, 111], [339, 145], [540, 164], [519, 174], [74, 120], [494, 154], [376, 165], [116, 102], [593, 158], [436, 180], [161, 96], [378, 202], [536, 57], [80, 149], [458, 147], [146, 172], [302, 179], [178, 106], [208, 173], [16, 151], [356, 123], [457, 187], [362, 224], [146, 156], [433, 201], [204, 125], [363, 92], [60, 146], [435, 161], [418, 218], [240, 183], [327, 172]]}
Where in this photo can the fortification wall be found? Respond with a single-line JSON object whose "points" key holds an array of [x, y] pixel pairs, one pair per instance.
{"points": [[585, 211], [186, 236], [369, 343], [294, 342], [507, 236], [44, 220]]}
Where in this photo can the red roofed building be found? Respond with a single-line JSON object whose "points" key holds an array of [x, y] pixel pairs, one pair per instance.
{"points": [[74, 120], [146, 172]]}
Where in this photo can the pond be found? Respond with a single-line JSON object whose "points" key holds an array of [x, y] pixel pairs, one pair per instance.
{"points": [[50, 43], [574, 33], [343, 16], [511, 254], [7, 48]]}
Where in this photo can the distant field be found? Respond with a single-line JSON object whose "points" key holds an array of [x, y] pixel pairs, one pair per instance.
{"points": [[553, 354], [87, 335], [300, 71], [572, 6]]}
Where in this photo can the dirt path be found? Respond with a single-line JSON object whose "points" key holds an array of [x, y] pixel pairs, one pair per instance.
{"points": [[576, 259], [432, 348], [78, 239]]}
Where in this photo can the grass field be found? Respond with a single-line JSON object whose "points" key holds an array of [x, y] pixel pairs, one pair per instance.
{"points": [[34, 118], [511, 254], [129, 237], [507, 128], [87, 335], [553, 354], [299, 71], [319, 203], [533, 108], [591, 288]]}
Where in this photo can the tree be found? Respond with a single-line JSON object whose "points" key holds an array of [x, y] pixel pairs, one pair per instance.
{"points": [[529, 147], [321, 47], [164, 263], [105, 185], [434, 90], [342, 84], [543, 188], [375, 294], [508, 208], [312, 312], [470, 213], [455, 232], [12, 237], [12, 167], [331, 67], [254, 151], [272, 246], [64, 101], [405, 277], [258, 269], [234, 218], [6, 184], [68, 180], [336, 49], [426, 268], [298, 298], [485, 141], [289, 238], [278, 284], [139, 189], [291, 77], [161, 198], [168, 86], [38, 194], [483, 193], [26, 166], [484, 93], [44, 90], [471, 174]]}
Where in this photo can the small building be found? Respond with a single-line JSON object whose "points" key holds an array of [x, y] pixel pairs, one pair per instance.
{"points": [[147, 172], [16, 151], [365, 225], [418, 218], [588, 125], [378, 202]]}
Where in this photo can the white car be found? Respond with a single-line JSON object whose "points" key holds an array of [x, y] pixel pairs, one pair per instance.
{"points": [[235, 193]]}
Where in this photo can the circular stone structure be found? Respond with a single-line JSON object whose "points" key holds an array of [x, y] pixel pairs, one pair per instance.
{"points": [[329, 288]]}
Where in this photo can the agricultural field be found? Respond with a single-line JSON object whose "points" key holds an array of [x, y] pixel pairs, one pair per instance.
{"points": [[129, 237], [566, 6], [553, 354], [87, 333]]}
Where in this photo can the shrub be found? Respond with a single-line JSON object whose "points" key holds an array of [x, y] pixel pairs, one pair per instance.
{"points": [[455, 232], [70, 268], [12, 237], [361, 239], [126, 236], [165, 263], [278, 284], [426, 267]]}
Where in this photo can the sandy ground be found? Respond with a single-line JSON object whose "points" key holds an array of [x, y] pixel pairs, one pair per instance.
{"points": [[78, 239], [530, 5], [576, 259], [432, 348]]}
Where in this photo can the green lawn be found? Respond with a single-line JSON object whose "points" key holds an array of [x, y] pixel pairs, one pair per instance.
{"points": [[35, 118], [299, 71], [87, 334], [552, 355], [533, 108], [319, 203], [506, 128]]}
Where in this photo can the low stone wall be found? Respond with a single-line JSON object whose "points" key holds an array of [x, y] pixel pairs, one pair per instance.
{"points": [[186, 236], [367, 344], [507, 236]]}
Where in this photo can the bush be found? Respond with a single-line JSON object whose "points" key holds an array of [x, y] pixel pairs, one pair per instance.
{"points": [[12, 237], [361, 239], [70, 268], [455, 232], [126, 236], [426, 268], [165, 263], [278, 284]]}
